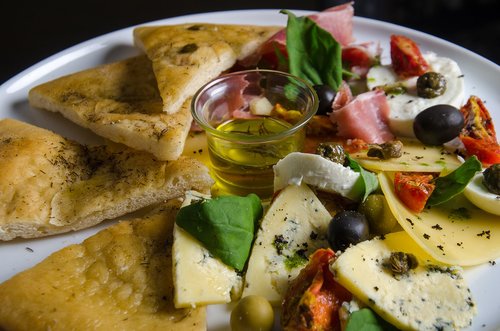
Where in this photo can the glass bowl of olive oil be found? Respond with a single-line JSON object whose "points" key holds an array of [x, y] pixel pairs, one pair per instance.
{"points": [[252, 119]]}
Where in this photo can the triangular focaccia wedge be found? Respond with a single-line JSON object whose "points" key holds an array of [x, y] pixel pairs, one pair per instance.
{"points": [[121, 102], [187, 56], [118, 279], [51, 185]]}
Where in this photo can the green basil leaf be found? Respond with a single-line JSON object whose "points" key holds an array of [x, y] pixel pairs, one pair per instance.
{"points": [[370, 180], [455, 182], [313, 54], [224, 225], [366, 320]]}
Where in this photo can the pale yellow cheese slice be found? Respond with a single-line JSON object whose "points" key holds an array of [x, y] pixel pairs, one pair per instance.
{"points": [[416, 157], [456, 232], [200, 278]]}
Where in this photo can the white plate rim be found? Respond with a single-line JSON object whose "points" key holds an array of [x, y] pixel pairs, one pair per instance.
{"points": [[16, 87]]}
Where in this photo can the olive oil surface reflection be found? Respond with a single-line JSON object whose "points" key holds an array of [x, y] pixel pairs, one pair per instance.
{"points": [[244, 166]]}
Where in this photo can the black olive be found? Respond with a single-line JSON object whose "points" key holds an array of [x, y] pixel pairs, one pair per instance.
{"points": [[431, 85], [325, 95], [438, 124], [346, 228]]}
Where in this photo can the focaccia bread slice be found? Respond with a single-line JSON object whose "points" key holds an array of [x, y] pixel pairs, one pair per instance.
{"points": [[51, 185], [119, 101], [186, 56], [118, 279]]}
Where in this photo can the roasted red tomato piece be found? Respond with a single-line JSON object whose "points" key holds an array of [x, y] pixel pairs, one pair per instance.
{"points": [[407, 61], [414, 188], [314, 298], [478, 135]]}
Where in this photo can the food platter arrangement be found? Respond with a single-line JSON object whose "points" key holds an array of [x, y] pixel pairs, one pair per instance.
{"points": [[252, 170]]}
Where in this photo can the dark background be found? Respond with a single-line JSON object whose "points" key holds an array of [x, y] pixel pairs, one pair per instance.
{"points": [[34, 30]]}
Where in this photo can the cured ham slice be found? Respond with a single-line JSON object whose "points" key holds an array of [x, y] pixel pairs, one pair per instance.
{"points": [[365, 117], [336, 20]]}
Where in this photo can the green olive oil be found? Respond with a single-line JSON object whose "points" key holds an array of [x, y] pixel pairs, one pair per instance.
{"points": [[244, 165]]}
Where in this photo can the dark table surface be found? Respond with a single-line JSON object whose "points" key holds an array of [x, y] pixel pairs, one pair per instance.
{"points": [[32, 31]]}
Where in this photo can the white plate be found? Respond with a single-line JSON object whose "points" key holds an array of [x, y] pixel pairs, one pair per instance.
{"points": [[482, 79]]}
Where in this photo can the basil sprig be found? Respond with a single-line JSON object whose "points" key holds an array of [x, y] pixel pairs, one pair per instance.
{"points": [[366, 320], [224, 225], [369, 179], [454, 183], [313, 53]]}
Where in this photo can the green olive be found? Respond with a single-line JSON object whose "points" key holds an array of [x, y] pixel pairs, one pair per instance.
{"points": [[378, 214], [431, 85], [252, 313]]}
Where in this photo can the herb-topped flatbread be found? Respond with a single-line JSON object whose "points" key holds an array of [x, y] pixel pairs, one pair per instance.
{"points": [[187, 56], [121, 102], [118, 279], [51, 185]]}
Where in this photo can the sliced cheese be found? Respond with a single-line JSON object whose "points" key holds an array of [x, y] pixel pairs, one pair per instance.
{"points": [[416, 157], [430, 297], [293, 228], [199, 278], [456, 232]]}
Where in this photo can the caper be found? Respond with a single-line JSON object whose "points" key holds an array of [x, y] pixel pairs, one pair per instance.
{"points": [[387, 150], [431, 85], [491, 178], [332, 151], [401, 263], [378, 214], [252, 313]]}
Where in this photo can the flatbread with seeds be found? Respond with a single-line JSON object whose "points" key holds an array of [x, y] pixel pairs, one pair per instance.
{"points": [[121, 102], [118, 279], [186, 56], [52, 185]]}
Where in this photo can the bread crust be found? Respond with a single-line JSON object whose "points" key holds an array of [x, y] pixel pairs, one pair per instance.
{"points": [[119, 101], [187, 56], [52, 185], [118, 279]]}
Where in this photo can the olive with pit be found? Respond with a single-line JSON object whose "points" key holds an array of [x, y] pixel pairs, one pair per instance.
{"points": [[325, 96], [438, 124], [346, 228], [252, 313]]}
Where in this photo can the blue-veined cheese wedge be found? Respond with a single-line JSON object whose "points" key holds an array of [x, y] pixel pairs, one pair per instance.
{"points": [[199, 278], [416, 157], [431, 296], [293, 227], [456, 232]]}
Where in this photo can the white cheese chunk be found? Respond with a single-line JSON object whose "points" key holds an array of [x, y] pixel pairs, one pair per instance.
{"points": [[431, 296], [200, 278], [404, 107], [315, 170], [261, 106], [293, 228]]}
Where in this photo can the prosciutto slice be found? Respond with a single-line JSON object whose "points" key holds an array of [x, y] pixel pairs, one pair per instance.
{"points": [[364, 117], [336, 20]]}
